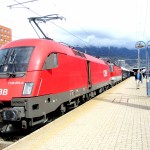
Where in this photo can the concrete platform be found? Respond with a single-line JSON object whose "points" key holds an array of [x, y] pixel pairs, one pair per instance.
{"points": [[118, 119]]}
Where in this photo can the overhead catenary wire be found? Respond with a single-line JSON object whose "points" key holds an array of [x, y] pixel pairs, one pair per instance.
{"points": [[142, 8], [23, 6], [54, 4], [138, 20], [69, 32], [145, 21], [26, 7], [18, 3]]}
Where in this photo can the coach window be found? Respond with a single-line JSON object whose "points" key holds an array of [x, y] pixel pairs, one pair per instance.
{"points": [[51, 61]]}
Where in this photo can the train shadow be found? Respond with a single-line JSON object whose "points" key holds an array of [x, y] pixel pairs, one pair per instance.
{"points": [[15, 133]]}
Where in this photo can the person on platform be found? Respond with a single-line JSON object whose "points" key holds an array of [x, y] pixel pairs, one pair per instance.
{"points": [[138, 78]]}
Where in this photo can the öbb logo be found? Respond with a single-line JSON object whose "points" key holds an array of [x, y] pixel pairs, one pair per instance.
{"points": [[105, 73]]}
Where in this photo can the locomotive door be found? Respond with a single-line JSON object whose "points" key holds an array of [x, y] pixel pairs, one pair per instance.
{"points": [[89, 74]]}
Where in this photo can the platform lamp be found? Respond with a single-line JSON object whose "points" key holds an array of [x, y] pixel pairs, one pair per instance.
{"points": [[147, 54], [139, 45]]}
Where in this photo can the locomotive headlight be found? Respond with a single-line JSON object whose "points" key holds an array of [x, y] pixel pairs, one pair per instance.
{"points": [[27, 90]]}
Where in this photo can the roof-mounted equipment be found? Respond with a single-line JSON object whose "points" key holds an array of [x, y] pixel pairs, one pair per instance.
{"points": [[44, 19]]}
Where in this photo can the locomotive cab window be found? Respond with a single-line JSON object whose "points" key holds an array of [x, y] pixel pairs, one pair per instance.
{"points": [[15, 59], [51, 61]]}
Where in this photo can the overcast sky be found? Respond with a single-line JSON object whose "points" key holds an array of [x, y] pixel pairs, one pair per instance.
{"points": [[88, 22]]}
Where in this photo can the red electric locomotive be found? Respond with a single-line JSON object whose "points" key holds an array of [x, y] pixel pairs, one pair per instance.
{"points": [[115, 74], [38, 76]]}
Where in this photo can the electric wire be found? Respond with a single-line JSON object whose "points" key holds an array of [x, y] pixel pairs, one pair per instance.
{"points": [[145, 19], [52, 23], [27, 8], [20, 3], [54, 4], [138, 19]]}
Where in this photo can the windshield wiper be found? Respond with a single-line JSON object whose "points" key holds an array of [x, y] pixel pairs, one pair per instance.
{"points": [[11, 61], [11, 74], [12, 57], [5, 59]]}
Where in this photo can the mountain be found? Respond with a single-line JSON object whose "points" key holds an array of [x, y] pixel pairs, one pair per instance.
{"points": [[115, 53], [121, 53]]}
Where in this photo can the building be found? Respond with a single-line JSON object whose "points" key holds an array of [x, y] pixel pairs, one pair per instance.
{"points": [[121, 63], [5, 35]]}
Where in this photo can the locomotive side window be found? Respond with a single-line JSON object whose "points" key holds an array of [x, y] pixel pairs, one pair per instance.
{"points": [[51, 61], [111, 68]]}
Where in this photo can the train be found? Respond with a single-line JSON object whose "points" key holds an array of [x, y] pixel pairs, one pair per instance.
{"points": [[39, 76]]}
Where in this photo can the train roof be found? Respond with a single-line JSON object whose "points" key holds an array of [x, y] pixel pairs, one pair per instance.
{"points": [[44, 47], [125, 69]]}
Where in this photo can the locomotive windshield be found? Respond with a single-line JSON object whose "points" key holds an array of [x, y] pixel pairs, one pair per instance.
{"points": [[14, 60]]}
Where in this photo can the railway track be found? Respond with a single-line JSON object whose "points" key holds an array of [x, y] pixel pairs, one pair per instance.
{"points": [[4, 144], [15, 134], [11, 137]]}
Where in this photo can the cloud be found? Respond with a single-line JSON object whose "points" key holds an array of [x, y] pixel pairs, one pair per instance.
{"points": [[98, 22], [95, 38]]}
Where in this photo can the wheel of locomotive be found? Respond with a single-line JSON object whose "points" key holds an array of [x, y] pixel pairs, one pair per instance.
{"points": [[62, 109], [77, 102], [88, 96]]}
